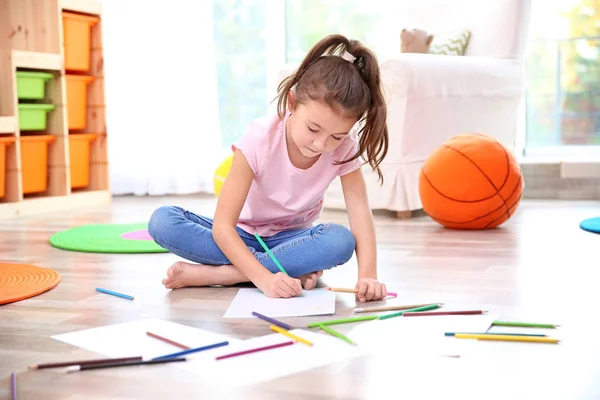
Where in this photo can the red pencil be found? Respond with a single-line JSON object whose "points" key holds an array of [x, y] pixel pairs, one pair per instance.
{"points": [[240, 353], [181, 346], [424, 314]]}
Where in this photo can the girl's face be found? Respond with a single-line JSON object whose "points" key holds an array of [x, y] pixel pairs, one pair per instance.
{"points": [[316, 128]]}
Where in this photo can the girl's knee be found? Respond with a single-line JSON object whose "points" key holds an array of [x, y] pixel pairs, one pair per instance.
{"points": [[342, 243], [162, 218]]}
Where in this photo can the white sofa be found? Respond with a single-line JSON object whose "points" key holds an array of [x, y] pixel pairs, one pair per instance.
{"points": [[434, 97]]}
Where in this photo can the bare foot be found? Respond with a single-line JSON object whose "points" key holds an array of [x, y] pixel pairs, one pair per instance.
{"points": [[309, 281], [182, 274]]}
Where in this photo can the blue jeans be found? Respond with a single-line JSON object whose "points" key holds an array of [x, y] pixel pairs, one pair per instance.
{"points": [[300, 252]]}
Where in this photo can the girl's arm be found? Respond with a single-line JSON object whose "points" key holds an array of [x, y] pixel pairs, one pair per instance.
{"points": [[363, 229], [231, 201]]}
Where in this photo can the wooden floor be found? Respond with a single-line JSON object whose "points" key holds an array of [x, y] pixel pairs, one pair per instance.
{"points": [[538, 266]]}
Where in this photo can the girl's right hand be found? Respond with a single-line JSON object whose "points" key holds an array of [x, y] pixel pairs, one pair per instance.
{"points": [[282, 285]]}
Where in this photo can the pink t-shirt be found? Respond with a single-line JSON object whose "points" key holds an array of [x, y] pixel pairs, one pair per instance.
{"points": [[283, 197]]}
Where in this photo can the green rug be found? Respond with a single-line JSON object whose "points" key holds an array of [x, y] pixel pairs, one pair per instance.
{"points": [[107, 238]]}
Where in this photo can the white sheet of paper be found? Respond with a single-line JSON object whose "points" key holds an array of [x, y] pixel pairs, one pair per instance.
{"points": [[129, 339], [312, 302], [270, 364], [420, 335]]}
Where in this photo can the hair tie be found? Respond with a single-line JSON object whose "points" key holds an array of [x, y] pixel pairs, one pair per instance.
{"points": [[348, 57]]}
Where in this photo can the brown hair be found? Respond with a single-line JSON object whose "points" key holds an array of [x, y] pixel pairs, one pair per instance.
{"points": [[349, 88]]}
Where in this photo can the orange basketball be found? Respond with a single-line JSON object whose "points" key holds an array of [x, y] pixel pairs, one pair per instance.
{"points": [[471, 182]]}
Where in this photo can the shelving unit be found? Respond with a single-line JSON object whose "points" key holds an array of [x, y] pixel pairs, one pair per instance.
{"points": [[33, 39]]}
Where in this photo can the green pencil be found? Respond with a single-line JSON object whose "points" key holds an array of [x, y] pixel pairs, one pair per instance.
{"points": [[399, 313], [336, 334], [524, 324], [341, 321], [270, 254]]}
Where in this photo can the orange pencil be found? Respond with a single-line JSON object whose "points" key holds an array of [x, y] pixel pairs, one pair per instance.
{"points": [[348, 290]]}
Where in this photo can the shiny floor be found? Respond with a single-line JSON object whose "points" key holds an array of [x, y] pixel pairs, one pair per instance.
{"points": [[538, 266]]}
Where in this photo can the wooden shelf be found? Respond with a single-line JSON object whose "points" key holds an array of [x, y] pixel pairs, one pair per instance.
{"points": [[82, 6], [41, 205], [37, 42], [8, 125], [37, 60]]}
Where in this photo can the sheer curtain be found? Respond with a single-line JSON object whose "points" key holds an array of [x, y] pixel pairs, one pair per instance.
{"points": [[161, 95]]}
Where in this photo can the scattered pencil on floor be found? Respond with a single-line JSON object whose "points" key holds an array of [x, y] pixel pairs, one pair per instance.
{"points": [[76, 368], [169, 341], [494, 333], [255, 350], [401, 313], [291, 335], [349, 290], [524, 324], [395, 308], [336, 334], [190, 351], [84, 362], [434, 313], [124, 296], [273, 321], [342, 321], [508, 338], [13, 386]]}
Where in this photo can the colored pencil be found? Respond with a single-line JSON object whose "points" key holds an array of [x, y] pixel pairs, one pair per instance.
{"points": [[494, 333], [291, 335], [171, 342], [273, 321], [524, 324], [400, 313], [196, 350], [336, 334], [84, 362], [270, 253], [349, 290], [13, 386], [75, 368], [425, 314], [255, 350], [125, 296], [394, 308], [342, 321], [510, 338]]}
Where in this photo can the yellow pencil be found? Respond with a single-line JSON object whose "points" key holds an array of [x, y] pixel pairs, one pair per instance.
{"points": [[291, 335], [507, 338]]}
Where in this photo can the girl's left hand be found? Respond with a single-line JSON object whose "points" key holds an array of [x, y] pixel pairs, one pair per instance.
{"points": [[370, 290]]}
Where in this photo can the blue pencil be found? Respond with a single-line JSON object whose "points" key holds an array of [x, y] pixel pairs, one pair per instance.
{"points": [[270, 253], [125, 296], [184, 352]]}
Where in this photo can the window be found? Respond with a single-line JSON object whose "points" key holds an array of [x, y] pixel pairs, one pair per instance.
{"points": [[240, 40], [563, 75], [308, 21]]}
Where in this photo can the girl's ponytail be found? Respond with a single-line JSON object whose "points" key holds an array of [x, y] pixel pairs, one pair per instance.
{"points": [[351, 85], [374, 139]]}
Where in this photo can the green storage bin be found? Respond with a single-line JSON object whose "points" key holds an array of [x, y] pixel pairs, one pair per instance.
{"points": [[33, 117], [32, 85]]}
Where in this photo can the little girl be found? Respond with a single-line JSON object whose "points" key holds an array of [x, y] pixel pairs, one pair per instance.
{"points": [[281, 169]]}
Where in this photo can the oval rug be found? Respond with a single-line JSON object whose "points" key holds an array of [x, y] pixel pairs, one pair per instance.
{"points": [[22, 281], [107, 238]]}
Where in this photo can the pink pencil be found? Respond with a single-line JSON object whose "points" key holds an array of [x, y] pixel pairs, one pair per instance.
{"points": [[425, 314], [241, 353]]}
